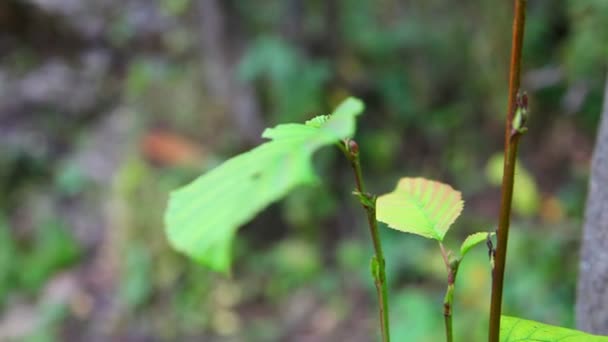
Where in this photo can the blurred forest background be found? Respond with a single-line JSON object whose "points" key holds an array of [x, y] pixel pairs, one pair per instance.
{"points": [[106, 106]]}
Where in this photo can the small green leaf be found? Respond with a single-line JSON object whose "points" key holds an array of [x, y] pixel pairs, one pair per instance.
{"points": [[521, 113], [420, 206], [519, 121], [473, 240], [202, 217], [522, 330]]}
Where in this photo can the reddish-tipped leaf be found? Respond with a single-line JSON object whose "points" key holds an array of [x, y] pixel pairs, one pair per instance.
{"points": [[420, 206]]}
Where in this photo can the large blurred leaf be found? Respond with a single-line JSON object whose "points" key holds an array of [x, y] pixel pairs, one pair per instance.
{"points": [[522, 330], [420, 206], [203, 216]]}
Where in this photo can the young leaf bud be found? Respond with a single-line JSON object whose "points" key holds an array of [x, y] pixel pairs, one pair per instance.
{"points": [[520, 118]]}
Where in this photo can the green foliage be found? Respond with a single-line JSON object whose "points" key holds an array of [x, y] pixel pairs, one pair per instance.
{"points": [[136, 286], [7, 255], [53, 248], [415, 312], [203, 216], [50, 314], [305, 207], [175, 7], [317, 121], [302, 54], [586, 49], [473, 240], [70, 180], [294, 263], [516, 329], [295, 83], [550, 279], [420, 206], [526, 196]]}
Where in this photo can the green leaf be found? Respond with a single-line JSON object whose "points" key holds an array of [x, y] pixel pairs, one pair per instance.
{"points": [[473, 240], [202, 217], [317, 121], [420, 206], [521, 330]]}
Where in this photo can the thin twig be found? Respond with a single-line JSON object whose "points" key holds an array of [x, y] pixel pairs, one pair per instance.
{"points": [[351, 150], [511, 144]]}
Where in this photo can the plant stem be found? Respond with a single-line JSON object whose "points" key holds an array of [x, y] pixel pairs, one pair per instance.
{"points": [[447, 312], [511, 143], [452, 268], [351, 150]]}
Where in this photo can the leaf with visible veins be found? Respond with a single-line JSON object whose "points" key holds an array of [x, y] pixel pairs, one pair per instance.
{"points": [[420, 206], [203, 216]]}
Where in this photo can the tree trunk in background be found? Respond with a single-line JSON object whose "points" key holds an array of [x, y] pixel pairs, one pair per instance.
{"points": [[592, 296]]}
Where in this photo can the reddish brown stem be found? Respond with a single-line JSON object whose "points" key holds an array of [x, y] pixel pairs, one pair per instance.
{"points": [[511, 143]]}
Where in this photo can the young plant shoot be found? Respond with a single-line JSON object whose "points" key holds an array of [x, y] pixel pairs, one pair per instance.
{"points": [[202, 217], [429, 208]]}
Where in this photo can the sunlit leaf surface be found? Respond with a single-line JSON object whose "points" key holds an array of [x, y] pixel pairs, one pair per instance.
{"points": [[514, 329], [420, 206]]}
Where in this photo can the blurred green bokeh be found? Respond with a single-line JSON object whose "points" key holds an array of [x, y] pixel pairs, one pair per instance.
{"points": [[82, 246]]}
